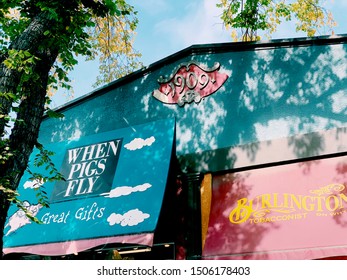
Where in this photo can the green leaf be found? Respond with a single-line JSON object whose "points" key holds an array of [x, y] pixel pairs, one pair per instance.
{"points": [[54, 114]]}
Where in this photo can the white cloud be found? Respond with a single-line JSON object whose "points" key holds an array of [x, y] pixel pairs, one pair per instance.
{"points": [[139, 143], [126, 190], [200, 23], [33, 184], [130, 218]]}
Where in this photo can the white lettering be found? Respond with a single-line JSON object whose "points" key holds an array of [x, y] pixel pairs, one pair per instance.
{"points": [[70, 187], [89, 212], [55, 218], [73, 154], [87, 164], [114, 148], [92, 183], [88, 152], [74, 168]]}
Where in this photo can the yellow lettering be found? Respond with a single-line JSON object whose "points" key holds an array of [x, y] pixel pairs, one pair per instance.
{"points": [[271, 202], [265, 201], [285, 197], [296, 200], [241, 213], [275, 196], [342, 198], [330, 201], [319, 203], [304, 203]]}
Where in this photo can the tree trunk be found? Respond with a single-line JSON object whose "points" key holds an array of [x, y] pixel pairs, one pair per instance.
{"points": [[31, 109], [29, 40]]}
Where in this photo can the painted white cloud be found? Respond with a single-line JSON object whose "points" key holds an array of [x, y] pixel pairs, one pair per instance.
{"points": [[130, 218], [33, 184], [126, 190], [139, 143]]}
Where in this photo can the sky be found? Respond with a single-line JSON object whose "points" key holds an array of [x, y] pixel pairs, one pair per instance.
{"points": [[168, 26]]}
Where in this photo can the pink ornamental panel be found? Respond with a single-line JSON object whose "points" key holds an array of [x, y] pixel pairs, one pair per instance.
{"points": [[190, 82]]}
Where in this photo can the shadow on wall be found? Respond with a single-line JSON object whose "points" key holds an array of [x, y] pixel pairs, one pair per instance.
{"points": [[244, 237], [285, 93], [271, 93]]}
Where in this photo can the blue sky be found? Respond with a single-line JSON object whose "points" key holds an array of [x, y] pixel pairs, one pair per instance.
{"points": [[168, 26]]}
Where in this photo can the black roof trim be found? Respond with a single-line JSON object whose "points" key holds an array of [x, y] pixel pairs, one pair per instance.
{"points": [[208, 48]]}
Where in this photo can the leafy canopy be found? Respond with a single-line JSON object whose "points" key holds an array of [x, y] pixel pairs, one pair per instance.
{"points": [[103, 30], [37, 33], [250, 16]]}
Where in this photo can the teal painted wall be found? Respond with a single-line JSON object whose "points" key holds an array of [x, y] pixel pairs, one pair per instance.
{"points": [[272, 92]]}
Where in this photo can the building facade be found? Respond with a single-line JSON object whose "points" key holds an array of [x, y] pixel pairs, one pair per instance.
{"points": [[223, 151]]}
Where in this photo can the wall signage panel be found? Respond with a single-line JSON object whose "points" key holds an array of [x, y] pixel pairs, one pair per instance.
{"points": [[295, 211]]}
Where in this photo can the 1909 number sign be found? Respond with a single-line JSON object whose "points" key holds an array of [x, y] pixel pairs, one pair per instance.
{"points": [[191, 82]]}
